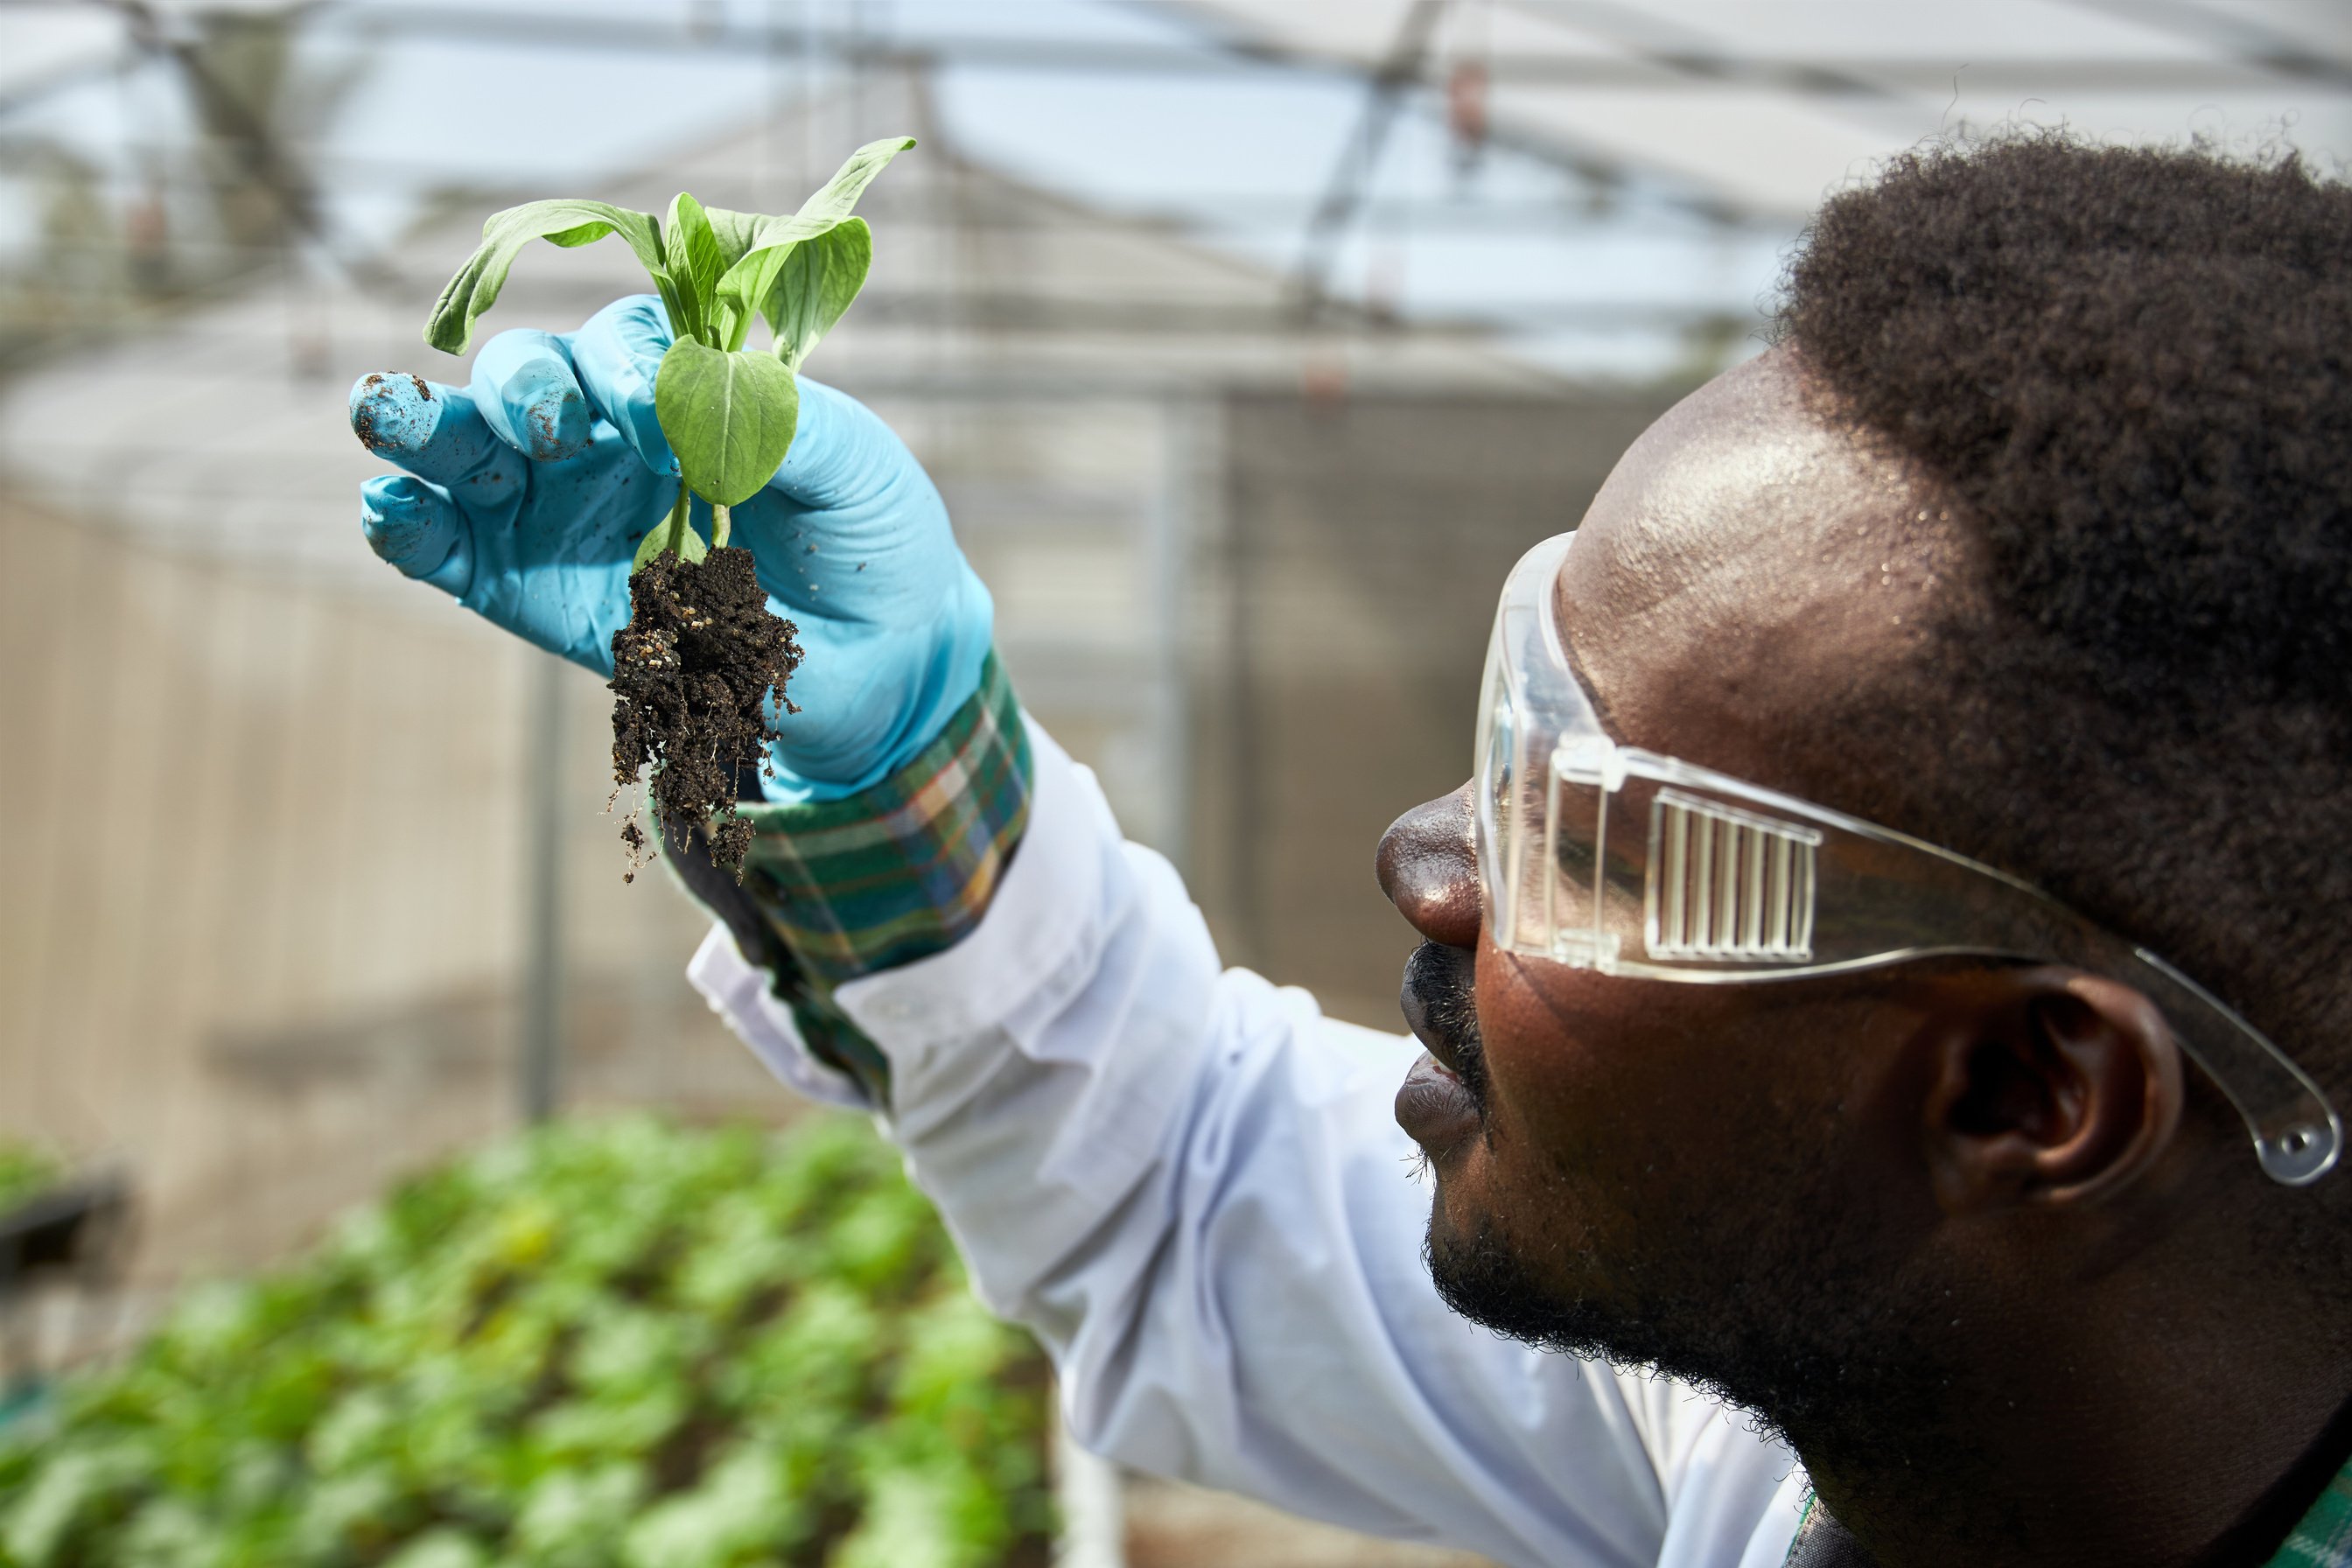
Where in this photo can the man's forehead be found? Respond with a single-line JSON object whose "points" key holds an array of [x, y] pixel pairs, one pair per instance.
{"points": [[1749, 559]]}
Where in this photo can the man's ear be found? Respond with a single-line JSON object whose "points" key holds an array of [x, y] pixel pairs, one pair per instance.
{"points": [[2045, 1086]]}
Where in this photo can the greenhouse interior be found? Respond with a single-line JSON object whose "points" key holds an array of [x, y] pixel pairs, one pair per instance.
{"points": [[375, 1188]]}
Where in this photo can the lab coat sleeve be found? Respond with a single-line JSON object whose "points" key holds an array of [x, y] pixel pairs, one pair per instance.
{"points": [[1190, 1184]]}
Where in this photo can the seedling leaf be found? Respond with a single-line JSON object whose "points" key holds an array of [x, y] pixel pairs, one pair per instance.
{"points": [[735, 232], [565, 221], [751, 282], [695, 261], [820, 277], [673, 534], [729, 416]]}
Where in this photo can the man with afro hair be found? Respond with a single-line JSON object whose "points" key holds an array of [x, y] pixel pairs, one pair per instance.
{"points": [[1886, 990], [2031, 538]]}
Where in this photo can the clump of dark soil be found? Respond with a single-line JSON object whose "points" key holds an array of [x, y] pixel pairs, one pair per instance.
{"points": [[691, 673]]}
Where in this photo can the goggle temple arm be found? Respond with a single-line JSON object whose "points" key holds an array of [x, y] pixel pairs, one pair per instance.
{"points": [[1727, 892], [2298, 1138]]}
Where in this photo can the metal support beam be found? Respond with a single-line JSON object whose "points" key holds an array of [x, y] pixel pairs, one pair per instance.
{"points": [[1351, 178], [540, 1035], [256, 144], [1233, 51]]}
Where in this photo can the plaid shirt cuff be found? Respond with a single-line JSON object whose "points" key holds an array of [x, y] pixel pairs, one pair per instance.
{"points": [[892, 874], [2323, 1538]]}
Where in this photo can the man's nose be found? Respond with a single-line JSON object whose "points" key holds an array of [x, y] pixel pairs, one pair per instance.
{"points": [[1429, 869]]}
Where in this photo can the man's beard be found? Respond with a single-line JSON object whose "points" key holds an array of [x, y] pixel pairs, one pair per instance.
{"points": [[1787, 1307], [1837, 1360], [1850, 1366]]}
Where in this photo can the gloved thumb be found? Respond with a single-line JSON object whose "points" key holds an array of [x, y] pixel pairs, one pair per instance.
{"points": [[842, 452], [616, 354]]}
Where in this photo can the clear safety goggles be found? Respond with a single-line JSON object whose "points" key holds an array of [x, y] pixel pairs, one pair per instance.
{"points": [[1608, 857]]}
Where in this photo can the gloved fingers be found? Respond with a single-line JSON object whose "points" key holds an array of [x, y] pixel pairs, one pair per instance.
{"points": [[418, 528], [842, 452], [433, 431], [616, 354], [524, 388]]}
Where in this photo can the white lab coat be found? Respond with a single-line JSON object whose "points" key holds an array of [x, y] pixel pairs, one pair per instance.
{"points": [[1189, 1184]]}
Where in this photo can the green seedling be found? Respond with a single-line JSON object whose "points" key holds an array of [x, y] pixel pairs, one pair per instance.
{"points": [[609, 1343], [695, 667], [728, 410], [27, 1170]]}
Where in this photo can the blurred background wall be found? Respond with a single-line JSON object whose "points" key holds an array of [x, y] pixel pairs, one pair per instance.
{"points": [[1250, 344]]}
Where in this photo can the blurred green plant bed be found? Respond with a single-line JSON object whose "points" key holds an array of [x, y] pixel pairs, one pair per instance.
{"points": [[605, 1344], [27, 1170]]}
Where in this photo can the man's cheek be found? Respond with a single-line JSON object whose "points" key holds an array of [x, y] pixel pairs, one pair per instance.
{"points": [[1539, 1083]]}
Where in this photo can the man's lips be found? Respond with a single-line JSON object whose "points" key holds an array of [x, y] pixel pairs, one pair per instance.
{"points": [[1433, 1108], [1439, 1102], [1440, 1009]]}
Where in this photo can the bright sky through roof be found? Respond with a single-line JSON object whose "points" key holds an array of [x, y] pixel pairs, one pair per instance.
{"points": [[1589, 276]]}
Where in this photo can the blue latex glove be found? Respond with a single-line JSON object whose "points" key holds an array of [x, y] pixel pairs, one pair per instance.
{"points": [[528, 491]]}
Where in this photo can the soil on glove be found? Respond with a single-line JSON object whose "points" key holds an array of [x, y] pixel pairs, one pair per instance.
{"points": [[691, 674]]}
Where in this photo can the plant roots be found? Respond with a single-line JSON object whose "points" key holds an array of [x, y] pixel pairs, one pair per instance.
{"points": [[691, 674]]}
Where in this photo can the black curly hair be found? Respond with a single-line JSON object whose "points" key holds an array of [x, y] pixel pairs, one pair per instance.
{"points": [[2127, 369]]}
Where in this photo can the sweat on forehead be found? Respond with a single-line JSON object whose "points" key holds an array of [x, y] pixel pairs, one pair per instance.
{"points": [[1752, 561]]}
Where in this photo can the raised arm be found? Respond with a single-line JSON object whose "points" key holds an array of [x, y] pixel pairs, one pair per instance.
{"points": [[1186, 1181]]}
